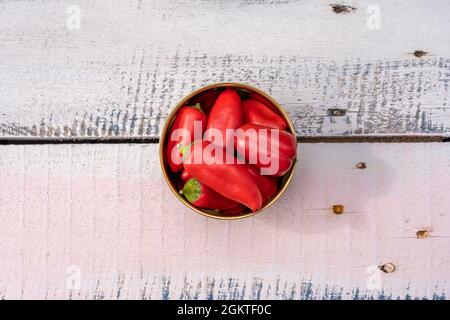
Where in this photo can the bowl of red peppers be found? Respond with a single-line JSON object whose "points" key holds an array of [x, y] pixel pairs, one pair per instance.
{"points": [[228, 151]]}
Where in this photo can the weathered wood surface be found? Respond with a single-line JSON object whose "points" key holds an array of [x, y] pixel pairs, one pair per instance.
{"points": [[129, 62], [104, 211]]}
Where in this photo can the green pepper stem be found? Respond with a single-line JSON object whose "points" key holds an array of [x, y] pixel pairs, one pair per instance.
{"points": [[191, 190], [198, 107]]}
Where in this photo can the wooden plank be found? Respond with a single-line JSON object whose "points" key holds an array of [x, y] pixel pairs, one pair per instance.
{"points": [[120, 73], [98, 221]]}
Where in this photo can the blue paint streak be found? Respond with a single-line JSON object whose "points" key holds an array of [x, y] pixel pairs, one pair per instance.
{"points": [[234, 289], [210, 292], [439, 296], [256, 289], [306, 291], [165, 288]]}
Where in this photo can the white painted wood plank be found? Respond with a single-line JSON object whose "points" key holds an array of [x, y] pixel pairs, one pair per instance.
{"points": [[104, 210], [130, 62]]}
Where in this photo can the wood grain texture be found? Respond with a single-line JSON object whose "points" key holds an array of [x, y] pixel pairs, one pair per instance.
{"points": [[130, 62], [105, 211]]}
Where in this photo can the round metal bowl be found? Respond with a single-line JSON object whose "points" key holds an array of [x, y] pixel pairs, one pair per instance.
{"points": [[169, 176]]}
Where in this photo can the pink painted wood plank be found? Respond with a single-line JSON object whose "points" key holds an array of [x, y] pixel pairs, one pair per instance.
{"points": [[98, 221]]}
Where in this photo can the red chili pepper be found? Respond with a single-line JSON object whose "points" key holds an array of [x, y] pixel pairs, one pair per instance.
{"points": [[264, 101], [231, 180], [267, 184], [207, 100], [225, 114], [237, 209], [285, 146], [185, 176], [185, 119], [257, 113], [203, 196], [179, 184]]}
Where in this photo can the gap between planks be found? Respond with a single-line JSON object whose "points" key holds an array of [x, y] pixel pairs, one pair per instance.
{"points": [[150, 140]]}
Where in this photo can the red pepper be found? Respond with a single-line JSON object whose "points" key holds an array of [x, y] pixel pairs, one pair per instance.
{"points": [[207, 100], [185, 119], [267, 184], [178, 183], [225, 114], [285, 146], [257, 113], [237, 209], [231, 180], [264, 101], [185, 176], [203, 196]]}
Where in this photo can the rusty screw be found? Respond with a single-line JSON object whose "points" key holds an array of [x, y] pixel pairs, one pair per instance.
{"points": [[422, 234], [361, 165], [388, 267], [338, 209]]}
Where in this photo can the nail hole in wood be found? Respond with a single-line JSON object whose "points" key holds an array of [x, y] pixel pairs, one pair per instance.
{"points": [[388, 267], [338, 209], [336, 112], [361, 165], [422, 234], [339, 8], [419, 53]]}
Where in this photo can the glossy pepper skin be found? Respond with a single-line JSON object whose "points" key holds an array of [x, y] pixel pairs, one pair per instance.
{"points": [[225, 114], [231, 180], [185, 176], [286, 146], [257, 113], [185, 119], [267, 184], [203, 196]]}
